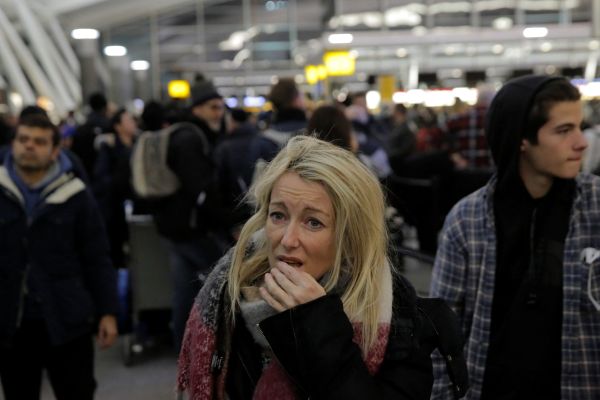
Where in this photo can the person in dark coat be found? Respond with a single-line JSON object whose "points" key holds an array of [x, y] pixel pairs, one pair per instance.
{"points": [[307, 304], [84, 139], [289, 113], [112, 176], [57, 286], [190, 219], [235, 158]]}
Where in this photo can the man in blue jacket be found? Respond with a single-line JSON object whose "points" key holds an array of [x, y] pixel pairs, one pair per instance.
{"points": [[56, 280]]}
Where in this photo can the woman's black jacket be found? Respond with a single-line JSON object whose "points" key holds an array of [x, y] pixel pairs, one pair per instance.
{"points": [[313, 342]]}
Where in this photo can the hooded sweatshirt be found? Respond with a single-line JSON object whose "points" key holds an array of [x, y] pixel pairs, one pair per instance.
{"points": [[524, 356]]}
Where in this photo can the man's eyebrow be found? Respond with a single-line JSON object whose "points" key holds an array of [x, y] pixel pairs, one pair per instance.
{"points": [[565, 125]]}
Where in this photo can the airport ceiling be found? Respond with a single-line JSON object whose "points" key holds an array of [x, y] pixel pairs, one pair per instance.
{"points": [[256, 39]]}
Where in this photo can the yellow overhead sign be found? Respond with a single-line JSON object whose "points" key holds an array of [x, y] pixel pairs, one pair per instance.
{"points": [[179, 89], [387, 86], [315, 73], [311, 74], [339, 63], [322, 72]]}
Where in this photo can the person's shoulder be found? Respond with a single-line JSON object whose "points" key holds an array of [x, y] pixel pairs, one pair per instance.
{"points": [[588, 181], [588, 186], [475, 202]]}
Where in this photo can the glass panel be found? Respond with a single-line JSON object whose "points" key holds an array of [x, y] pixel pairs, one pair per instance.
{"points": [[451, 13]]}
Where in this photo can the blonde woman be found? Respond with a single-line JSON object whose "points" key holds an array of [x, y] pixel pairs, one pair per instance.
{"points": [[307, 304]]}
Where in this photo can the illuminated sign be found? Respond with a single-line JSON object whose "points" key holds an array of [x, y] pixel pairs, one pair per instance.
{"points": [[339, 63], [179, 89]]}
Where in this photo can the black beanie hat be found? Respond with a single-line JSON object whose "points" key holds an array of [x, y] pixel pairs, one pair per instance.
{"points": [[203, 92]]}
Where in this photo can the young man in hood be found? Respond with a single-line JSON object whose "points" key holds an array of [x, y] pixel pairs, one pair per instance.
{"points": [[57, 285], [518, 260]]}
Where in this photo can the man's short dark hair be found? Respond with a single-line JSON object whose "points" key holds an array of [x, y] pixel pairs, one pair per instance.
{"points": [[239, 115], [153, 116], [42, 122], [400, 108], [329, 123], [283, 93], [32, 110], [555, 91], [116, 119], [97, 102]]}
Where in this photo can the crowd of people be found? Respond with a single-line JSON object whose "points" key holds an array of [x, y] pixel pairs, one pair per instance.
{"points": [[300, 195]]}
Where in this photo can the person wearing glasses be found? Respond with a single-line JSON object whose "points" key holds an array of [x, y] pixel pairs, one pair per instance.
{"points": [[518, 259]]}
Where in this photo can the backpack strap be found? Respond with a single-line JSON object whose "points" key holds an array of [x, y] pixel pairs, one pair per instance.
{"points": [[450, 341], [180, 126]]}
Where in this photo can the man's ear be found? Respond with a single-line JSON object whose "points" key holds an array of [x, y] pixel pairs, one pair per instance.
{"points": [[524, 144]]}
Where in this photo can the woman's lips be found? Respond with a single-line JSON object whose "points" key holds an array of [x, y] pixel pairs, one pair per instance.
{"points": [[292, 261]]}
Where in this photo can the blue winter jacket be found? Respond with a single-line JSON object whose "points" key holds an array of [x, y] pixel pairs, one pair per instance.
{"points": [[60, 253]]}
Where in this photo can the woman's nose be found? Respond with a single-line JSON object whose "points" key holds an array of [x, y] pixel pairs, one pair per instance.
{"points": [[290, 235]]}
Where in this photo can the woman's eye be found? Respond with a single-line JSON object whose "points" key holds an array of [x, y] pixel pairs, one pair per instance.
{"points": [[276, 216], [314, 223]]}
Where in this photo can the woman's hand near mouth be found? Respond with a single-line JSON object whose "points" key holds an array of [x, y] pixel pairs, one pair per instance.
{"points": [[286, 287]]}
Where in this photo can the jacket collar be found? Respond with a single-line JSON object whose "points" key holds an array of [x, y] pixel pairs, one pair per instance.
{"points": [[57, 192], [7, 183]]}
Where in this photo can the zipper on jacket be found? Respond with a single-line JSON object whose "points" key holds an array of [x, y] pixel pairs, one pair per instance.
{"points": [[286, 372], [531, 272], [22, 295]]}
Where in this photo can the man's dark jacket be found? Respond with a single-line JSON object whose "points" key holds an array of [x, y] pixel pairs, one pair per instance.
{"points": [[189, 213], [60, 253]]}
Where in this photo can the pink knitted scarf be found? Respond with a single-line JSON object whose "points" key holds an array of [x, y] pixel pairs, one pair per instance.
{"points": [[199, 345]]}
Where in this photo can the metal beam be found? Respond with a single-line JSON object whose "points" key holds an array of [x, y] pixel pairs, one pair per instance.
{"points": [[17, 79], [43, 48], [61, 39], [28, 63]]}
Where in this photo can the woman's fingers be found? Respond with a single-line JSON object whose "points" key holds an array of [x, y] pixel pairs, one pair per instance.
{"points": [[299, 285], [266, 296], [277, 292]]}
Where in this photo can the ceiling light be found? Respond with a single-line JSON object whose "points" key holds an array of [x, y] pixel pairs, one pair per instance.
{"points": [[535, 32], [85, 34], [419, 30], [456, 73], [594, 45], [373, 19], [401, 52], [373, 98], [269, 29], [299, 59], [502, 23], [340, 38], [399, 16], [115, 51], [546, 47], [497, 49], [140, 65], [449, 50]]}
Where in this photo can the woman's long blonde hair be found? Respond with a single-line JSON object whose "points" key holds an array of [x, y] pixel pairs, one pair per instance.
{"points": [[360, 230]]}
